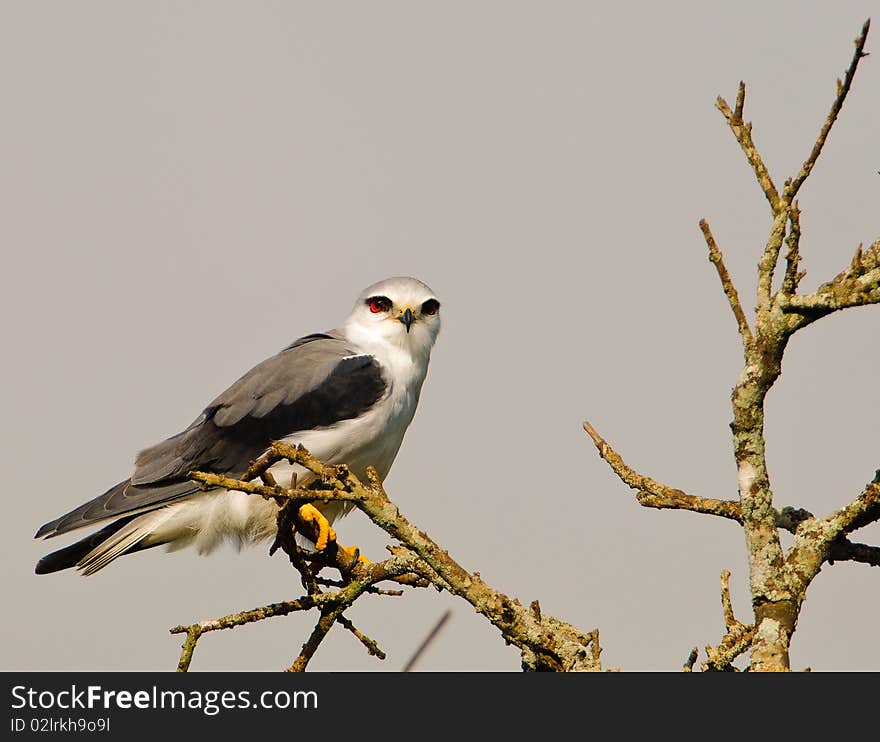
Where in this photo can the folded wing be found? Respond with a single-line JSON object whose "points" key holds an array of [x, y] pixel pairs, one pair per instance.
{"points": [[315, 382]]}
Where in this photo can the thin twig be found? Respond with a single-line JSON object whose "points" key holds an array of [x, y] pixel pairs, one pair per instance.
{"points": [[322, 628], [737, 638], [372, 647], [432, 634], [189, 646], [595, 647], [726, 604], [743, 133], [792, 258], [727, 284], [842, 90]]}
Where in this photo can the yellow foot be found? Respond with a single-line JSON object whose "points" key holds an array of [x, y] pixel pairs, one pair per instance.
{"points": [[325, 535], [354, 552], [310, 514]]}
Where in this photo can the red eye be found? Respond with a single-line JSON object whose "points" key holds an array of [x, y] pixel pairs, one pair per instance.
{"points": [[378, 304], [430, 307]]}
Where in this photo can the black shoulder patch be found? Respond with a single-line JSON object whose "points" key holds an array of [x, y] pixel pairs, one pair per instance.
{"points": [[352, 388]]}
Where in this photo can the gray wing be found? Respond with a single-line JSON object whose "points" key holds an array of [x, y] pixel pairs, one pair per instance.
{"points": [[315, 382]]}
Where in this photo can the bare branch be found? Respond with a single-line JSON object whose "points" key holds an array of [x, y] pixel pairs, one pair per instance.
{"points": [[726, 604], [794, 185], [545, 642], [652, 493], [792, 258], [862, 511], [843, 550], [815, 538], [737, 639], [727, 284], [856, 286], [743, 133], [692, 658], [769, 259], [322, 628], [195, 631], [370, 644]]}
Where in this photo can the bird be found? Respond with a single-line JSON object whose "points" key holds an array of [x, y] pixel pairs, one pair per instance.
{"points": [[347, 395]]}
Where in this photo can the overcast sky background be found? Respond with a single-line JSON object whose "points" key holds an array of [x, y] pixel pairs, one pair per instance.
{"points": [[188, 187]]}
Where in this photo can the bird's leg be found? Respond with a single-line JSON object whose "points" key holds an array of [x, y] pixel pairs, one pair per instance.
{"points": [[323, 533]]}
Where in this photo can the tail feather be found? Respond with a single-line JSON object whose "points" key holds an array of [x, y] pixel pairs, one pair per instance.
{"points": [[124, 540], [76, 553]]}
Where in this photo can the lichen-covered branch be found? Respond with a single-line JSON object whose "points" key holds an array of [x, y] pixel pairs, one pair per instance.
{"points": [[856, 286], [793, 276], [743, 133], [654, 494], [329, 604], [727, 284], [736, 640], [545, 642]]}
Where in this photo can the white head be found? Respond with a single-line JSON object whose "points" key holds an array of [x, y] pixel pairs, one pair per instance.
{"points": [[401, 312]]}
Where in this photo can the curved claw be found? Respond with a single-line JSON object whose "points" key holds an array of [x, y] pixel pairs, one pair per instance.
{"points": [[354, 552]]}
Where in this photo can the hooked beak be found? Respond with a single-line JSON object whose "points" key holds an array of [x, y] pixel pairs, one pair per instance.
{"points": [[407, 318]]}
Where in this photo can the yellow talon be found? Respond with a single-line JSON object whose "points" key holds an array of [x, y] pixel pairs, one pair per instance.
{"points": [[325, 535], [354, 551], [310, 514]]}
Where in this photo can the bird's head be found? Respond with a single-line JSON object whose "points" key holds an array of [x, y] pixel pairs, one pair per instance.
{"points": [[398, 311]]}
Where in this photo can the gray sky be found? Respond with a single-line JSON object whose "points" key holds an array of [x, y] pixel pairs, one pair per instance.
{"points": [[187, 187]]}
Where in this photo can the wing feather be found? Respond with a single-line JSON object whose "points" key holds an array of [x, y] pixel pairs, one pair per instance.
{"points": [[315, 382]]}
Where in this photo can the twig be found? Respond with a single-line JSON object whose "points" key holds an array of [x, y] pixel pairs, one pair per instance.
{"points": [[727, 284], [432, 634], [189, 646], [322, 627], [652, 493], [737, 638], [726, 604], [595, 647], [372, 647], [743, 133], [843, 88], [195, 631], [862, 511], [792, 258], [372, 590]]}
